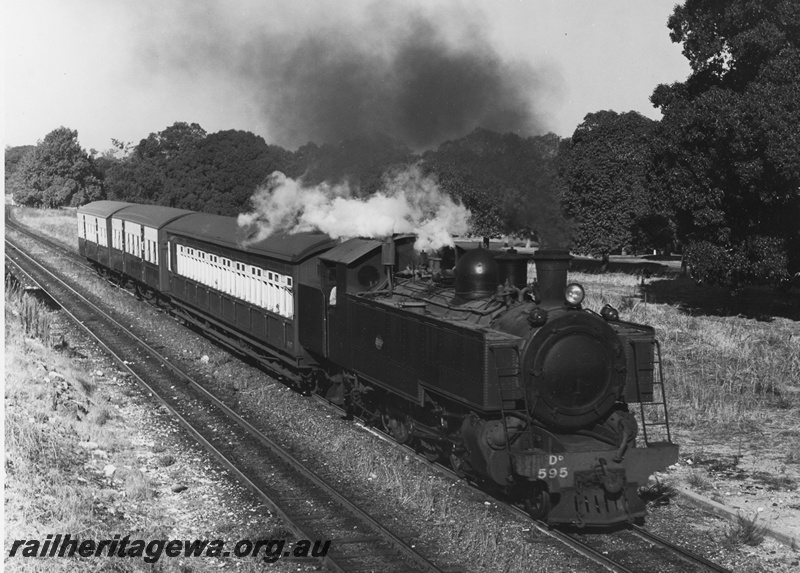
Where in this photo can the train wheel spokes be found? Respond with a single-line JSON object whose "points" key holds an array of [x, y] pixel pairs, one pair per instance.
{"points": [[537, 500]]}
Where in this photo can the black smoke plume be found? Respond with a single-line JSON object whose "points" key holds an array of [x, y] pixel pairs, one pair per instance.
{"points": [[417, 76]]}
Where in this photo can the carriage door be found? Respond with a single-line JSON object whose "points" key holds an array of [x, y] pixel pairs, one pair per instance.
{"points": [[314, 310]]}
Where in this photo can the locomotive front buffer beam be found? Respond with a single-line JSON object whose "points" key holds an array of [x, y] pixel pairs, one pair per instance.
{"points": [[589, 487]]}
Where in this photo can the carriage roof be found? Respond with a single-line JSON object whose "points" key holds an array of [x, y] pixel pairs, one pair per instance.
{"points": [[102, 209], [226, 232]]}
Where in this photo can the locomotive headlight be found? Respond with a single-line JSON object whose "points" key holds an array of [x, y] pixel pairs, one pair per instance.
{"points": [[574, 294]]}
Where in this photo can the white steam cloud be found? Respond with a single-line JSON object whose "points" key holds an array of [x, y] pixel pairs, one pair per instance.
{"points": [[408, 203]]}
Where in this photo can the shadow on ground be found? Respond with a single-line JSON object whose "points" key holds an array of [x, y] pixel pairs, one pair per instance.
{"points": [[633, 266], [664, 283], [760, 303]]}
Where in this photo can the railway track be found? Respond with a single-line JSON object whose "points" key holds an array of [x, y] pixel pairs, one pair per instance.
{"points": [[688, 556], [635, 549], [312, 508], [638, 540], [597, 552]]}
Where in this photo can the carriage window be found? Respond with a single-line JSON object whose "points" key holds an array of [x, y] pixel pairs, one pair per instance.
{"points": [[289, 299], [227, 278], [252, 285], [264, 292], [215, 271]]}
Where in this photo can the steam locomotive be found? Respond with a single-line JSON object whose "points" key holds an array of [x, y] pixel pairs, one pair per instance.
{"points": [[517, 385]]}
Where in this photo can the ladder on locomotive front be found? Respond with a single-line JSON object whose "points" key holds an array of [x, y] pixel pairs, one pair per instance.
{"points": [[656, 407]]}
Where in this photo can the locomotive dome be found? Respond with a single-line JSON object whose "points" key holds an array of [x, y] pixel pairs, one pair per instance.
{"points": [[477, 274]]}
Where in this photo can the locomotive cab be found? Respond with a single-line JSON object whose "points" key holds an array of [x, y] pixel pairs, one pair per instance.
{"points": [[351, 267]]}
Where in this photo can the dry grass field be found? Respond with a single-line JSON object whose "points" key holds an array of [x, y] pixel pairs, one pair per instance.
{"points": [[58, 224], [728, 363]]}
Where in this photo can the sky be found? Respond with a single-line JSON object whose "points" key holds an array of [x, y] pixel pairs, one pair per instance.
{"points": [[292, 72]]}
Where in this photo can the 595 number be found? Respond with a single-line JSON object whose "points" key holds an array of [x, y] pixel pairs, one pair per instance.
{"points": [[544, 473]]}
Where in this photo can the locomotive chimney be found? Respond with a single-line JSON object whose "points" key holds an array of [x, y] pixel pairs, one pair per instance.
{"points": [[551, 274]]}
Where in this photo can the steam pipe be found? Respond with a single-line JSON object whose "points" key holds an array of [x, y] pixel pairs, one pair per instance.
{"points": [[388, 255]]}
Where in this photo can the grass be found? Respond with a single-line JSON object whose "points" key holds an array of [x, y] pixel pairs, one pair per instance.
{"points": [[58, 224], [100, 416], [165, 460], [793, 453], [54, 486], [42, 492], [746, 531], [136, 485], [28, 312], [51, 406], [728, 369], [698, 481]]}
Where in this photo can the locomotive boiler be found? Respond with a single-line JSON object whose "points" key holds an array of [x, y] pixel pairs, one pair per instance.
{"points": [[513, 383]]}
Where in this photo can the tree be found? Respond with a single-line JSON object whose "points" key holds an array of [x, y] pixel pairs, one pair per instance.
{"points": [[221, 172], [361, 161], [174, 140], [509, 183], [142, 175], [605, 168], [56, 173], [13, 157], [729, 145]]}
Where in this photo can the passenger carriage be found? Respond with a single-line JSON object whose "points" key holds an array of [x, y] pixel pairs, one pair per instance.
{"points": [[94, 230], [139, 243], [222, 278]]}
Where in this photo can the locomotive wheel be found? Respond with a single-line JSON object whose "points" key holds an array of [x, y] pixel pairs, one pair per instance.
{"points": [[308, 383], [458, 466], [400, 430], [431, 450], [537, 501]]}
